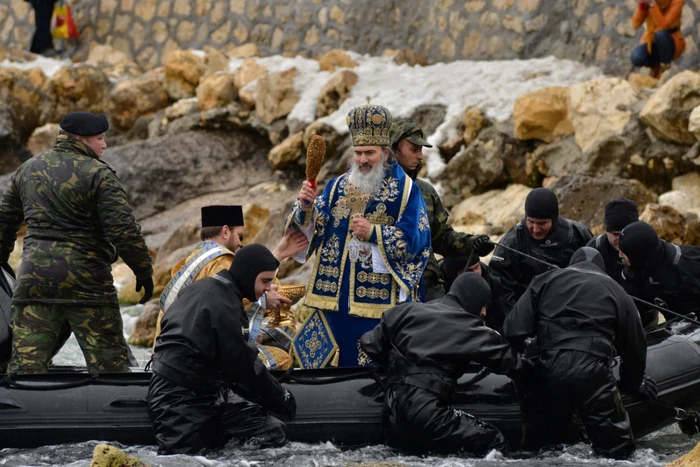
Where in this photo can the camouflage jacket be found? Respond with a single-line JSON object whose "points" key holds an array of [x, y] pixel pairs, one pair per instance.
{"points": [[445, 240], [78, 222]]}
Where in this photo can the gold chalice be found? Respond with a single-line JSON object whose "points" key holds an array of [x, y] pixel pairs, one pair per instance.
{"points": [[284, 316]]}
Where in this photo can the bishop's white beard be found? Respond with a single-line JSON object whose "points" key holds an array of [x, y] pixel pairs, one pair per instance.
{"points": [[370, 182]]}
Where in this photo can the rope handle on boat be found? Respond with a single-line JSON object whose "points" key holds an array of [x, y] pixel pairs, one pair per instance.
{"points": [[10, 381], [681, 414], [638, 300]]}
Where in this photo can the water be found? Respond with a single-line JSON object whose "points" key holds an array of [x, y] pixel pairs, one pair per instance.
{"points": [[657, 449]]}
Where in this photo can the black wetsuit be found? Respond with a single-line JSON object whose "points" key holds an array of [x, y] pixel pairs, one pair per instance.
{"points": [[426, 348], [581, 318]]}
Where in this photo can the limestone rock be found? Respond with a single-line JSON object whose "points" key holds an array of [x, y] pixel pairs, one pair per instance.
{"points": [[428, 117], [43, 138], [600, 108], [543, 115], [275, 95], [331, 137], [249, 71], [287, 151], [105, 455], [639, 81], [216, 91], [255, 218], [77, 88], [335, 58], [694, 122], [224, 160], [660, 162], [181, 108], [668, 223], [23, 96], [475, 169], [690, 184], [334, 92], [242, 51], [183, 70], [131, 99], [681, 201], [405, 56], [667, 112], [185, 235], [692, 459], [144, 332], [114, 63], [127, 294], [473, 122], [12, 136], [497, 210], [215, 61], [583, 198]]}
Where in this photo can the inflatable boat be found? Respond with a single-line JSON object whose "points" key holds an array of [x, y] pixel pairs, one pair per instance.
{"points": [[343, 405]]}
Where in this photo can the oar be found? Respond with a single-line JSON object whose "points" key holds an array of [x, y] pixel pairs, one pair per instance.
{"points": [[639, 300]]}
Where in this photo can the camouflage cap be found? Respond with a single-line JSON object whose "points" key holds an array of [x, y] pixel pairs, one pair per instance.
{"points": [[409, 131]]}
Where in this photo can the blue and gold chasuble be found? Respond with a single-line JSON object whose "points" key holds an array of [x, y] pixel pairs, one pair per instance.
{"points": [[353, 282]]}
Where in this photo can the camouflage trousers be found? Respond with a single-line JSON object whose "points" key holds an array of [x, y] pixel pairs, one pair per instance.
{"points": [[38, 328]]}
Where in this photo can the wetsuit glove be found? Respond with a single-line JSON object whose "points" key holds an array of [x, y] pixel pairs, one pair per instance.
{"points": [[647, 390], [147, 285], [483, 245]]}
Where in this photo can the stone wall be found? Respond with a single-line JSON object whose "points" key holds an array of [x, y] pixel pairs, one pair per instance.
{"points": [[593, 31]]}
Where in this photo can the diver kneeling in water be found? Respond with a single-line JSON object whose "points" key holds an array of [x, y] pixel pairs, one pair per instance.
{"points": [[208, 385], [425, 357], [581, 318]]}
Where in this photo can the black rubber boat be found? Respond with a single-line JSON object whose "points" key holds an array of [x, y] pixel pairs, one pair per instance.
{"points": [[338, 405]]}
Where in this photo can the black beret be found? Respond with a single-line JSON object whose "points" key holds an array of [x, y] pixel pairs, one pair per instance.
{"points": [[218, 216], [84, 124]]}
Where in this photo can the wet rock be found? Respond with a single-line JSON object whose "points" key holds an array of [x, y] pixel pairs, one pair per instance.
{"points": [[287, 151], [600, 108], [144, 332], [335, 58], [216, 91], [183, 70], [475, 169], [105, 455], [334, 92], [667, 111], [275, 96], [543, 115], [134, 98], [583, 198], [77, 88], [43, 138], [494, 212], [405, 56], [161, 172]]}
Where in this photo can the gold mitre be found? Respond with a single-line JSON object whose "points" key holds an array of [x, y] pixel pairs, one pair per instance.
{"points": [[369, 124]]}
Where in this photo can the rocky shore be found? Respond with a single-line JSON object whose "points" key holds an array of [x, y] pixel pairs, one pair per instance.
{"points": [[209, 127]]}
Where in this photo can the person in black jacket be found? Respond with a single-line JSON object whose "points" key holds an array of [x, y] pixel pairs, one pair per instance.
{"points": [[208, 385], [619, 213], [660, 272], [424, 356], [451, 268], [543, 234], [581, 317]]}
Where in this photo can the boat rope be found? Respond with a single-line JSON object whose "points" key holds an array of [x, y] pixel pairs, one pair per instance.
{"points": [[639, 300], [680, 413], [289, 376], [10, 381]]}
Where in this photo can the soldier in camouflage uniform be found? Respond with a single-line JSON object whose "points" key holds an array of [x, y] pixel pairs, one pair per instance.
{"points": [[78, 221], [408, 142]]}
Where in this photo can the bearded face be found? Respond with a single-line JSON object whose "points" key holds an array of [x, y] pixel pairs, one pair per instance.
{"points": [[368, 166]]}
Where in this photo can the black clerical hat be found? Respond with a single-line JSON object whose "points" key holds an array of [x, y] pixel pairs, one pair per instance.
{"points": [[216, 216]]}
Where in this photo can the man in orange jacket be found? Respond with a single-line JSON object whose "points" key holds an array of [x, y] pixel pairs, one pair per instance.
{"points": [[662, 42]]}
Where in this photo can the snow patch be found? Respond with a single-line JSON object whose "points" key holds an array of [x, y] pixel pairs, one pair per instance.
{"points": [[48, 65]]}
